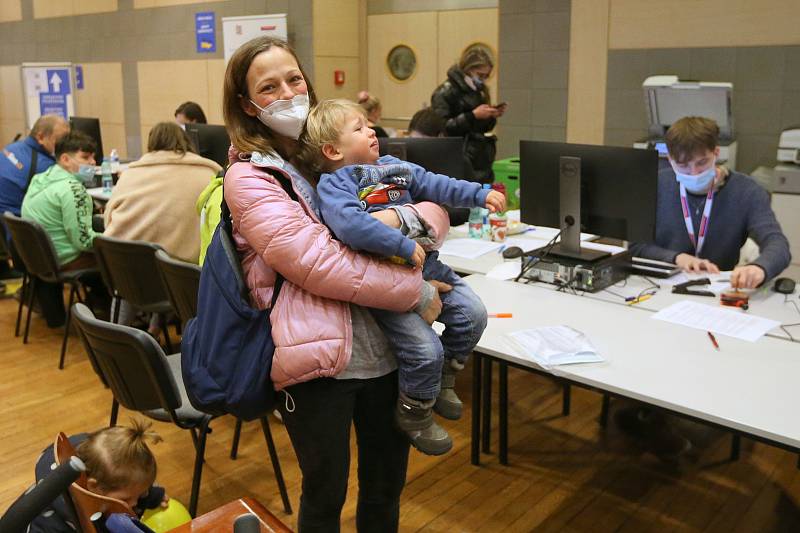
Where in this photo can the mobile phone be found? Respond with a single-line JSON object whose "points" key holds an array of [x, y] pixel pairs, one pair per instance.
{"points": [[501, 104]]}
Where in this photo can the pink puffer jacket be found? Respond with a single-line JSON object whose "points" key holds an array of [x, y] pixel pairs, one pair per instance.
{"points": [[311, 323]]}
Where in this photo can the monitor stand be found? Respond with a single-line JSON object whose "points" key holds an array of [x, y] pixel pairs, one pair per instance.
{"points": [[569, 175]]}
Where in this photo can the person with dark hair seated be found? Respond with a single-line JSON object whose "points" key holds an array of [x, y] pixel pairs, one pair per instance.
{"points": [[57, 199], [190, 113], [426, 123]]}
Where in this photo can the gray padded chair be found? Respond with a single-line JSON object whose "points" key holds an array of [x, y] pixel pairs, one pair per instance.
{"points": [[36, 250], [142, 378], [130, 272]]}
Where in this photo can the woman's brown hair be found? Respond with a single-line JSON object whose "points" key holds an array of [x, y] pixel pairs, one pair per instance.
{"points": [[118, 457], [170, 137], [247, 133]]}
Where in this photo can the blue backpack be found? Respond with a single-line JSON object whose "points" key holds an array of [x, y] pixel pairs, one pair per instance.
{"points": [[227, 349]]}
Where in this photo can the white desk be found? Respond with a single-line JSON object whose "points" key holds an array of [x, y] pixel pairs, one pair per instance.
{"points": [[748, 387], [98, 194], [763, 302]]}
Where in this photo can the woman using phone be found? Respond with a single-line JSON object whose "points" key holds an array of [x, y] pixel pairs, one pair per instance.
{"points": [[463, 102]]}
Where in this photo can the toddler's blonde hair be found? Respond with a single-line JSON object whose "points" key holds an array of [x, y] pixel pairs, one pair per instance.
{"points": [[118, 457], [323, 126]]}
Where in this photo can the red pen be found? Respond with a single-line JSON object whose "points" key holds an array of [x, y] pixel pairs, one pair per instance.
{"points": [[500, 315], [713, 340]]}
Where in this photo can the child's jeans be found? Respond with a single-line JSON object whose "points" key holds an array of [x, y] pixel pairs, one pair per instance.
{"points": [[420, 352]]}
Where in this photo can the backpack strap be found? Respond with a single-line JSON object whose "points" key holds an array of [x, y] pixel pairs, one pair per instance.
{"points": [[32, 169], [227, 224]]}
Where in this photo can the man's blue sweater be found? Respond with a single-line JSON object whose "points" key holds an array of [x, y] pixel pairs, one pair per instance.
{"points": [[741, 209], [15, 165]]}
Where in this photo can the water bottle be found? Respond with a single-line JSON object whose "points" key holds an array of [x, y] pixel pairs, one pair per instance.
{"points": [[114, 161], [476, 222], [108, 180], [487, 229]]}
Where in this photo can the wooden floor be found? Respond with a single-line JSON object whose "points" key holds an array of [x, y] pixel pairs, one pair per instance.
{"points": [[566, 474]]}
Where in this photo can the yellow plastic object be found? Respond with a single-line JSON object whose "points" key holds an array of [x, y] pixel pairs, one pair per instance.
{"points": [[161, 520]]}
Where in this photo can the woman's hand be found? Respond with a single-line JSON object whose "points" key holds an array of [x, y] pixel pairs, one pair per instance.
{"points": [[485, 111], [165, 501], [690, 263], [431, 313]]}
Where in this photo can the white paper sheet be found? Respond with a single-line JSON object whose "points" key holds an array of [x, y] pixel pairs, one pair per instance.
{"points": [[468, 248], [505, 270], [730, 322], [553, 345]]}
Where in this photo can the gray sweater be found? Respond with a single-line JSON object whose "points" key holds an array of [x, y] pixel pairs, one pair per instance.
{"points": [[741, 209]]}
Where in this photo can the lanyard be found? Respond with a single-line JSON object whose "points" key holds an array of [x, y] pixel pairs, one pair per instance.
{"points": [[698, 241]]}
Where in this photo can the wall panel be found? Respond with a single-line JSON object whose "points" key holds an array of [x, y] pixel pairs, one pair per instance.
{"points": [[419, 31], [12, 114], [102, 97], [10, 10]]}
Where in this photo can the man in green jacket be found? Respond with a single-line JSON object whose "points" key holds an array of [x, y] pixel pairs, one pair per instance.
{"points": [[58, 201]]}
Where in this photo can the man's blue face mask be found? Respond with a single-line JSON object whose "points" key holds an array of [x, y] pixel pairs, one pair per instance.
{"points": [[85, 174], [697, 183]]}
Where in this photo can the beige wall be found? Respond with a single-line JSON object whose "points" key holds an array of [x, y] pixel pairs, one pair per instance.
{"points": [[600, 25], [10, 10], [66, 8], [163, 85], [12, 108], [588, 58], [102, 97], [437, 38], [144, 4], [336, 47]]}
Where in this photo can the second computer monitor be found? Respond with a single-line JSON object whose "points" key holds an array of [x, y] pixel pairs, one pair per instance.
{"points": [[618, 188], [210, 141], [442, 155], [91, 127]]}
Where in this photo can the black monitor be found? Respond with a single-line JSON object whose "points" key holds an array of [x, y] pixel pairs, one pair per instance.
{"points": [[608, 191], [91, 127], [210, 141], [442, 155]]}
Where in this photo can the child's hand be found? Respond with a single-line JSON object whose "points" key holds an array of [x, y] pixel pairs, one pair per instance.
{"points": [[165, 501], [496, 202], [418, 257]]}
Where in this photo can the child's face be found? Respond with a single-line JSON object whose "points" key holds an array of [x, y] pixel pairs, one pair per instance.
{"points": [[129, 494], [357, 142]]}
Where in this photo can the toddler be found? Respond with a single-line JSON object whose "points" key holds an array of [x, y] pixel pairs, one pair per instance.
{"points": [[119, 464], [354, 182]]}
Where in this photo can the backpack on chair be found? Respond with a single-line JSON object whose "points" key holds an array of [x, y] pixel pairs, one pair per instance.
{"points": [[227, 349]]}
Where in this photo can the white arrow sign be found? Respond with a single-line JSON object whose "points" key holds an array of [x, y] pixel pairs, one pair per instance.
{"points": [[55, 80]]}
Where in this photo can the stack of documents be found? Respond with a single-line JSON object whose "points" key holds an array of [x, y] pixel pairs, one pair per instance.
{"points": [[553, 345], [730, 322]]}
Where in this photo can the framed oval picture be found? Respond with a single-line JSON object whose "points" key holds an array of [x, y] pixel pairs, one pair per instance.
{"points": [[401, 61]]}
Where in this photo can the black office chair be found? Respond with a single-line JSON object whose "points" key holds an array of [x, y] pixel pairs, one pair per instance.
{"points": [[6, 251], [130, 273], [181, 282], [36, 250], [144, 379]]}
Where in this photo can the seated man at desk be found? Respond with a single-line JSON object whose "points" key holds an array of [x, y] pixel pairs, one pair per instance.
{"points": [[58, 201], [706, 212]]}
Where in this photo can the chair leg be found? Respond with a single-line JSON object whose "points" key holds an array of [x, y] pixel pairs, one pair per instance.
{"points": [[165, 329], [276, 465], [115, 303], [32, 289], [736, 446], [114, 413], [604, 410], [72, 290], [198, 466], [21, 301], [237, 433]]}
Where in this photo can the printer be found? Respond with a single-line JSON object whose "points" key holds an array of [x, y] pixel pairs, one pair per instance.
{"points": [[787, 171], [668, 99]]}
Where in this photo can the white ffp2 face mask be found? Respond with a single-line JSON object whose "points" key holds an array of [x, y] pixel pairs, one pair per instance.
{"points": [[285, 117]]}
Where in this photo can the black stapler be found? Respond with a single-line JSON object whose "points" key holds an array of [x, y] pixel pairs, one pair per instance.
{"points": [[683, 288]]}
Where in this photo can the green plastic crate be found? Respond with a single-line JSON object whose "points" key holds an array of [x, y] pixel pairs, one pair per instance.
{"points": [[506, 171]]}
